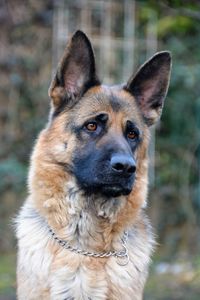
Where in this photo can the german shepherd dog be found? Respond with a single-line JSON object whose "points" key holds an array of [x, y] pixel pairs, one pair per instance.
{"points": [[82, 232]]}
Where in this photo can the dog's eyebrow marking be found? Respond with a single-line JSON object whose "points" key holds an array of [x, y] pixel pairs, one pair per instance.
{"points": [[131, 125], [102, 117]]}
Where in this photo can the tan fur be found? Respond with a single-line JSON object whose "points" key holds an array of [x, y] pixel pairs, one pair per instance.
{"points": [[45, 270]]}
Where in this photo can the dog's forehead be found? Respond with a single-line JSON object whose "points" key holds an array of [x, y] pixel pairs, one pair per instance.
{"points": [[109, 100]]}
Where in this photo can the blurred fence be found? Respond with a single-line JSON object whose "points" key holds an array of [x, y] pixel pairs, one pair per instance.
{"points": [[111, 26]]}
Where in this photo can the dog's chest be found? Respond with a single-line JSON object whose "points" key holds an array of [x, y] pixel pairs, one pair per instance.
{"points": [[91, 278], [62, 274]]}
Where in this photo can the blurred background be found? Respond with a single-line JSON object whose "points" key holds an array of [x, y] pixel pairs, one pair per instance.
{"points": [[124, 34]]}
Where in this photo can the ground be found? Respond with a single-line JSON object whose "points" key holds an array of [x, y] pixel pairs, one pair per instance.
{"points": [[179, 280]]}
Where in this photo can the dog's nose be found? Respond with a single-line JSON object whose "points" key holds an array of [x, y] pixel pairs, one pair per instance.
{"points": [[123, 164]]}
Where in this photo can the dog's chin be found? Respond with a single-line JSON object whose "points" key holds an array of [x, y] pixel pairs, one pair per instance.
{"points": [[115, 191], [108, 190]]}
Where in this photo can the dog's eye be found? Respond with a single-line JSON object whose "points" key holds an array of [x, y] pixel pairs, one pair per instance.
{"points": [[92, 126], [132, 135]]}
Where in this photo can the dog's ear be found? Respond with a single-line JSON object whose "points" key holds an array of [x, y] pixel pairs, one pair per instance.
{"points": [[75, 73], [150, 84]]}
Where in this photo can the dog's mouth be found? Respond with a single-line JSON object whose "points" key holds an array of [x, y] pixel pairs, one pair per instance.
{"points": [[102, 181], [115, 190], [109, 190]]}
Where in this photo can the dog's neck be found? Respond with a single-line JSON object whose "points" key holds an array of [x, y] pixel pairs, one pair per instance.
{"points": [[90, 219], [90, 222], [86, 222]]}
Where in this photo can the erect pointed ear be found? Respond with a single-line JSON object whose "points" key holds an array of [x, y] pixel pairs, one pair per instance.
{"points": [[150, 84], [75, 73]]}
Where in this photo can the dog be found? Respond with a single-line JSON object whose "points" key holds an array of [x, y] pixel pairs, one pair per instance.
{"points": [[83, 232]]}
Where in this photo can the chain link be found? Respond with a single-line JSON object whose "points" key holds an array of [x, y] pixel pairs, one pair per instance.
{"points": [[118, 254]]}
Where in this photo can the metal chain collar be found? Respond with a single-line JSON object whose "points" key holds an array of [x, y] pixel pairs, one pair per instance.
{"points": [[122, 256]]}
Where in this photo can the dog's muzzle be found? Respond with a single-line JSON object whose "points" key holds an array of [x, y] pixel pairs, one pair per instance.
{"points": [[113, 177]]}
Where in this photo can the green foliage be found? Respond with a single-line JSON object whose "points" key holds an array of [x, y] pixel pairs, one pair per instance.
{"points": [[7, 274], [177, 175], [170, 25], [13, 174]]}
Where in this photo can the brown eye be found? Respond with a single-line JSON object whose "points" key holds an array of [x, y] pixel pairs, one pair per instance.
{"points": [[132, 135], [92, 126]]}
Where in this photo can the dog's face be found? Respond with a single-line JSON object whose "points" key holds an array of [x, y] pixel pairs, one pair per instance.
{"points": [[97, 131], [108, 135]]}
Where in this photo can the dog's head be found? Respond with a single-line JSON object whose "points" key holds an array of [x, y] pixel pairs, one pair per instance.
{"points": [[97, 133]]}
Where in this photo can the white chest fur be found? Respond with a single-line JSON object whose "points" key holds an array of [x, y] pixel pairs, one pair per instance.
{"points": [[50, 272]]}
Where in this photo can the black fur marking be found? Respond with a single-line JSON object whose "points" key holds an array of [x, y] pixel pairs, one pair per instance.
{"points": [[67, 167], [77, 131], [94, 173], [130, 126], [102, 117], [115, 103]]}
